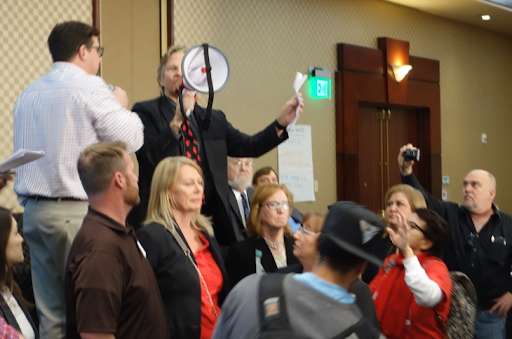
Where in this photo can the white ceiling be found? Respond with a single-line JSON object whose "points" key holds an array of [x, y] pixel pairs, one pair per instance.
{"points": [[468, 11]]}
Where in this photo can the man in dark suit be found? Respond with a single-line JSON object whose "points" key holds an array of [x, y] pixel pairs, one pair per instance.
{"points": [[239, 180], [163, 125]]}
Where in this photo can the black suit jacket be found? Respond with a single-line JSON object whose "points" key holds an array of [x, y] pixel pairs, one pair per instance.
{"points": [[6, 313], [241, 260], [178, 280], [234, 213], [221, 140]]}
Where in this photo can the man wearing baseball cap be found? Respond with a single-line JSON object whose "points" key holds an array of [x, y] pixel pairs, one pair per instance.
{"points": [[318, 304]]}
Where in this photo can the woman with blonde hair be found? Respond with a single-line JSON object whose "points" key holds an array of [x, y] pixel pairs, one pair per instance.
{"points": [[399, 198], [182, 251], [270, 242]]}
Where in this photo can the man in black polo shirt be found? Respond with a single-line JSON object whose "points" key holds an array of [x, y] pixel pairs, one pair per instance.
{"points": [[480, 244], [111, 291]]}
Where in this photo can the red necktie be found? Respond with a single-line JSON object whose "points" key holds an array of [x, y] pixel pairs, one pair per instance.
{"points": [[190, 143]]}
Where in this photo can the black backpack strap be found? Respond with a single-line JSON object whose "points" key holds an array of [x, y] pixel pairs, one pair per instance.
{"points": [[273, 314], [363, 329], [350, 330]]}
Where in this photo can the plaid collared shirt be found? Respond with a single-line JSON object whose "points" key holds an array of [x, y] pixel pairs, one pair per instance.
{"points": [[62, 113]]}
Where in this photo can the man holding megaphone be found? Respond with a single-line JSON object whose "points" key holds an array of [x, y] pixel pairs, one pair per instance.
{"points": [[168, 132]]}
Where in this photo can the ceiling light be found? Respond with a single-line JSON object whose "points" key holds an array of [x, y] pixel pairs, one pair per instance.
{"points": [[486, 17]]}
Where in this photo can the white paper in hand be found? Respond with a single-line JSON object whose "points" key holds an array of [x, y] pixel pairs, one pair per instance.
{"points": [[297, 84], [20, 157]]}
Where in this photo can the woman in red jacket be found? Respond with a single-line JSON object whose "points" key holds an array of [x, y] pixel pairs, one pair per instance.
{"points": [[412, 292]]}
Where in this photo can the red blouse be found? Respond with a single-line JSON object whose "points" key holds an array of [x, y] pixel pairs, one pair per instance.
{"points": [[213, 278]]}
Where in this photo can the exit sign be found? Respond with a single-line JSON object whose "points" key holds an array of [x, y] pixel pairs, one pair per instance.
{"points": [[320, 88]]}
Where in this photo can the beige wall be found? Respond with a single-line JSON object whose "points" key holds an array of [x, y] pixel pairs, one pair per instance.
{"points": [[266, 42], [24, 29], [130, 32]]}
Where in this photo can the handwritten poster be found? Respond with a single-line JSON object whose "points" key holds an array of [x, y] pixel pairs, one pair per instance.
{"points": [[295, 157]]}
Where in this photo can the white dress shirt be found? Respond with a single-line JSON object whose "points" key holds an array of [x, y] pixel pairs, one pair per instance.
{"points": [[62, 113]]}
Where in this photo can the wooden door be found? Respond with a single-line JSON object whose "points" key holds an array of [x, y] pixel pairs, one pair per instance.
{"points": [[382, 131], [375, 116]]}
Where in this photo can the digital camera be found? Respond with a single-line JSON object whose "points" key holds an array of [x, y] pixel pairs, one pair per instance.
{"points": [[412, 154]]}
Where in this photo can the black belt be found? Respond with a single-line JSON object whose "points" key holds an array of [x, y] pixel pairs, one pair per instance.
{"points": [[38, 197]]}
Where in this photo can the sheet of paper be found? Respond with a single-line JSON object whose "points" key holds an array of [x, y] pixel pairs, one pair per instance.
{"points": [[297, 84], [20, 157], [295, 157]]}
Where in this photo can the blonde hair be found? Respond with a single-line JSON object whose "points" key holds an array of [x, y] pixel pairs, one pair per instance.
{"points": [[415, 198], [165, 58], [164, 180], [254, 227], [320, 220]]}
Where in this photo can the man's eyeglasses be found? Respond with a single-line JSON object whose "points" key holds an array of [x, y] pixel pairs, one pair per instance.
{"points": [[415, 226], [306, 231], [239, 163], [274, 205], [100, 50]]}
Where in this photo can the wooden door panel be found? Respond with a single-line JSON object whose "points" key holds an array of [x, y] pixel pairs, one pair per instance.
{"points": [[366, 158], [370, 157], [403, 125], [381, 134]]}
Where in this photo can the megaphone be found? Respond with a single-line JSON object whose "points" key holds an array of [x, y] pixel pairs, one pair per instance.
{"points": [[205, 69], [194, 69]]}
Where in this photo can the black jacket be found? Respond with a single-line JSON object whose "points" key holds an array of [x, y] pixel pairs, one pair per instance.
{"points": [[241, 260], [221, 140], [178, 280], [486, 257], [6, 313], [234, 212]]}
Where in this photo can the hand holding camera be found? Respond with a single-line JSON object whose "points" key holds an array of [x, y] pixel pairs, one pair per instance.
{"points": [[411, 155], [407, 155]]}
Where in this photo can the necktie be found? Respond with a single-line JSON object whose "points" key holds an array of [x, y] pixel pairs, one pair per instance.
{"points": [[190, 143], [245, 205]]}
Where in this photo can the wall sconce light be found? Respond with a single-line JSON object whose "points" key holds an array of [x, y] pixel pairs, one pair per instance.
{"points": [[400, 71]]}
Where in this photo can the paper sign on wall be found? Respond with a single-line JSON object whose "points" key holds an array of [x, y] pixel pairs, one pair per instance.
{"points": [[295, 157]]}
